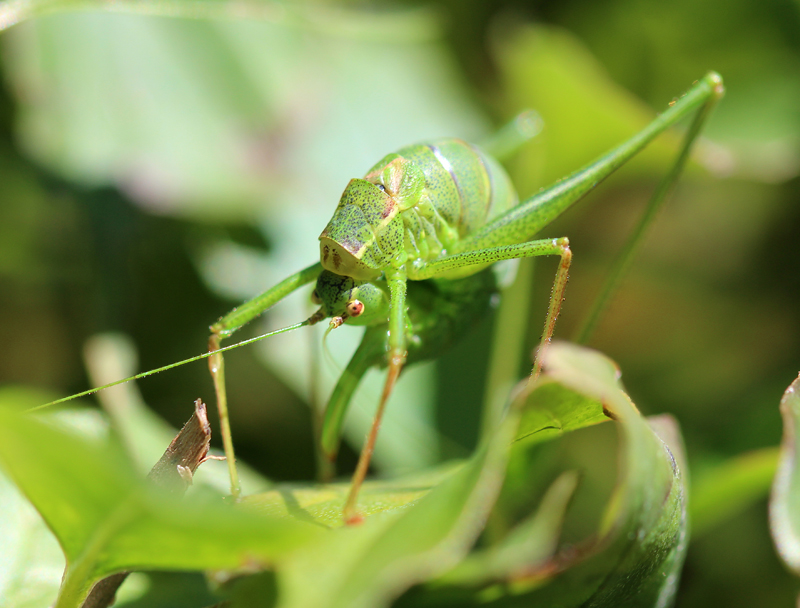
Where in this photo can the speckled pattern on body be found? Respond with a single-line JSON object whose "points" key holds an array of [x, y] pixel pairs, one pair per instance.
{"points": [[463, 189]]}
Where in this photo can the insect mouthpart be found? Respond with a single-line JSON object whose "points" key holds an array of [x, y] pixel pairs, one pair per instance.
{"points": [[336, 258], [317, 317]]}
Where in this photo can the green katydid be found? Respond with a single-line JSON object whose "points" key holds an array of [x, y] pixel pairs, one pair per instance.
{"points": [[406, 254]]}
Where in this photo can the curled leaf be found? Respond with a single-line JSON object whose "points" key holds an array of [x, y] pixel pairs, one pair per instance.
{"points": [[784, 508]]}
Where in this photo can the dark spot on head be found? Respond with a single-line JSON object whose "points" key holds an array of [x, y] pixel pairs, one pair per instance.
{"points": [[325, 251], [337, 260]]}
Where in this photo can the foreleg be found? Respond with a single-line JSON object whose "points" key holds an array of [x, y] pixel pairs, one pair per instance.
{"points": [[225, 327]]}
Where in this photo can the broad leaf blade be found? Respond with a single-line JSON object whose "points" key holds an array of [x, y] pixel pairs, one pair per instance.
{"points": [[322, 504], [368, 565], [107, 519], [418, 528], [31, 562], [72, 482], [554, 409]]}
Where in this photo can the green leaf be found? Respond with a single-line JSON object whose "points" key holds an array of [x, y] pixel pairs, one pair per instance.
{"points": [[527, 547], [635, 555], [407, 25], [31, 562], [784, 507], [322, 504], [220, 119], [107, 519], [370, 564], [554, 409], [416, 528]]}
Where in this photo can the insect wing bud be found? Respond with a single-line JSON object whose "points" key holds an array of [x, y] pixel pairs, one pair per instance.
{"points": [[402, 179]]}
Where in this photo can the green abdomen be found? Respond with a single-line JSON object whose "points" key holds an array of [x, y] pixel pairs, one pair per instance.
{"points": [[466, 187]]}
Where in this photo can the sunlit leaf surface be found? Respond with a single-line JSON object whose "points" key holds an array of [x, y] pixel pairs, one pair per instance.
{"points": [[416, 528]]}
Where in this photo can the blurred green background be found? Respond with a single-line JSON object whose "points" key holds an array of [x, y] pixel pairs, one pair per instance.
{"points": [[156, 171]]}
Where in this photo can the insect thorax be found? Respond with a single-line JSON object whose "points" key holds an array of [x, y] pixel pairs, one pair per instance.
{"points": [[414, 205]]}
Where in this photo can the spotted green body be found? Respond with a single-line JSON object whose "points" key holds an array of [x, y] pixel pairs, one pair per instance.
{"points": [[414, 206]]}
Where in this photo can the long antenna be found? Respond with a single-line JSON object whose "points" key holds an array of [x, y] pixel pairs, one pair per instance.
{"points": [[310, 321]]}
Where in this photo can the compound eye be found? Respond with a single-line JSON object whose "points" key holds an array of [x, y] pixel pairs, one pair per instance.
{"points": [[315, 298], [355, 308]]}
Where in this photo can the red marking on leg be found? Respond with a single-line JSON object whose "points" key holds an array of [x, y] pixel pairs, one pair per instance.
{"points": [[350, 513]]}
